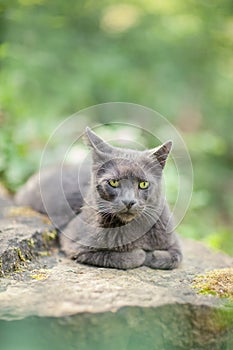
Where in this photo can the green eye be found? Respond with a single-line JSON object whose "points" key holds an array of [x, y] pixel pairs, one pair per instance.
{"points": [[143, 185], [114, 183]]}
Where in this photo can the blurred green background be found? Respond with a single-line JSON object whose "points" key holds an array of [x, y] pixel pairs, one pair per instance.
{"points": [[174, 56]]}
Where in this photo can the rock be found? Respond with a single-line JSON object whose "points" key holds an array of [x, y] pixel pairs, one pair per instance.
{"points": [[99, 308], [24, 235], [59, 287]]}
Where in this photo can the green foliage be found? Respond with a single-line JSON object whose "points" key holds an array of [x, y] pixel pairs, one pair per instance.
{"points": [[174, 56]]}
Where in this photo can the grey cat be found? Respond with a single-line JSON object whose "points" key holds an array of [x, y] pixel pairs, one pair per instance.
{"points": [[119, 217]]}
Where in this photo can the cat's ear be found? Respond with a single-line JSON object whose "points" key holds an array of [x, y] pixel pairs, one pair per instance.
{"points": [[161, 153], [96, 143]]}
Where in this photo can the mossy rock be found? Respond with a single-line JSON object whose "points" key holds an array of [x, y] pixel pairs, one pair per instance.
{"points": [[216, 282]]}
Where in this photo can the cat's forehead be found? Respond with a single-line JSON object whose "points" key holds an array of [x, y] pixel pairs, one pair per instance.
{"points": [[125, 153], [120, 167]]}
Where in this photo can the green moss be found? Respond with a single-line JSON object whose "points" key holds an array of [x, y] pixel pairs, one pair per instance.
{"points": [[49, 236], [216, 282], [39, 275], [31, 243], [44, 253], [20, 255]]}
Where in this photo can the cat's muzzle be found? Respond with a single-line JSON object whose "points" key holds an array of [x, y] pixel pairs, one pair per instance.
{"points": [[127, 215]]}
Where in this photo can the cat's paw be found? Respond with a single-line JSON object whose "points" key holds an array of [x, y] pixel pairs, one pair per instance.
{"points": [[130, 260], [162, 259], [118, 260]]}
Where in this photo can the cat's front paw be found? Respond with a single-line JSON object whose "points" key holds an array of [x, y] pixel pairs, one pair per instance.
{"points": [[118, 260], [162, 259], [130, 260]]}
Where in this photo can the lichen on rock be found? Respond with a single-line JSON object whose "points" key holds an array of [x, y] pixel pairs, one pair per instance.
{"points": [[24, 236], [217, 282]]}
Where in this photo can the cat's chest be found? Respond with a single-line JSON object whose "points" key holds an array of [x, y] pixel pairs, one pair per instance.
{"points": [[154, 239]]}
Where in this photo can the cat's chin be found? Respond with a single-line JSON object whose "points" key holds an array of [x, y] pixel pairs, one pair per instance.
{"points": [[126, 217]]}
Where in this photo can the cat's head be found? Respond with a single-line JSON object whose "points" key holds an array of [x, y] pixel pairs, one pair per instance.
{"points": [[127, 183]]}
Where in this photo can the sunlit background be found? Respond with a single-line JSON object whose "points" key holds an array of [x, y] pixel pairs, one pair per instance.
{"points": [[174, 56]]}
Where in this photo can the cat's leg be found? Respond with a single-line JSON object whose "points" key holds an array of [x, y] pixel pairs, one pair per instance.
{"points": [[163, 259], [119, 260]]}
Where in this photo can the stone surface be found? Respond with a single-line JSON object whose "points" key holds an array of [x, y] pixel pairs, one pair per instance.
{"points": [[57, 286], [91, 306], [24, 235]]}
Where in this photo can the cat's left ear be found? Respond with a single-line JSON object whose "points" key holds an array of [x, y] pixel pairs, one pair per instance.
{"points": [[96, 143], [161, 153]]}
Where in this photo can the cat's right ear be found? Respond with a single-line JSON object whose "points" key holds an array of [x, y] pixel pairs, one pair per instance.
{"points": [[100, 147], [161, 153]]}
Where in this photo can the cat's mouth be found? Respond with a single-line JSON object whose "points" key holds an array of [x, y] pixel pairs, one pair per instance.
{"points": [[126, 216]]}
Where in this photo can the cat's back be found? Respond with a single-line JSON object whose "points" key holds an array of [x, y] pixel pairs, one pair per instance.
{"points": [[56, 191]]}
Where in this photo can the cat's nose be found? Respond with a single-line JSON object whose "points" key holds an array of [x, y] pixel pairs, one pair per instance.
{"points": [[128, 203]]}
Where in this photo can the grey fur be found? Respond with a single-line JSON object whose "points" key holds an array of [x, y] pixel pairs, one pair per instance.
{"points": [[123, 227]]}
